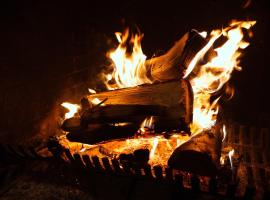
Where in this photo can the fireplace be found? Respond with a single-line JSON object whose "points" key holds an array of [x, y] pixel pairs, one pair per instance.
{"points": [[142, 130]]}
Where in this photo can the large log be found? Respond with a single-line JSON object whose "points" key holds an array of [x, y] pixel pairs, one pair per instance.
{"points": [[172, 64], [199, 155], [122, 113], [100, 132], [175, 95], [97, 132]]}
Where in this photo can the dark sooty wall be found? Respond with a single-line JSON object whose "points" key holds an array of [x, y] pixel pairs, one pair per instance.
{"points": [[51, 52]]}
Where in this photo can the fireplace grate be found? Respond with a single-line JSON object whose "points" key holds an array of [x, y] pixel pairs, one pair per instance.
{"points": [[250, 143]]}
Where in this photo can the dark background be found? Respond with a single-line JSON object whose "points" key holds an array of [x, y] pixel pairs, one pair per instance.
{"points": [[51, 51]]}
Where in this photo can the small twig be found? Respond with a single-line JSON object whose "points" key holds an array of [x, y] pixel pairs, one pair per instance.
{"points": [[98, 105]]}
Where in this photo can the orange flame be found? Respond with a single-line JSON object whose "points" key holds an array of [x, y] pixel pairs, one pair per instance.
{"points": [[214, 74], [224, 130], [73, 109], [148, 122], [129, 68]]}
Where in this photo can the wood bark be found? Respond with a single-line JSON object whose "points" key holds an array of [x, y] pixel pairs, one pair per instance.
{"points": [[176, 96]]}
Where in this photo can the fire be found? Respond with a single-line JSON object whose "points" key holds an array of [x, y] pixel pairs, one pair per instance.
{"points": [[224, 130], [91, 91], [154, 147], [130, 71], [73, 109], [230, 154], [129, 68], [147, 125], [213, 75], [96, 101], [160, 147]]}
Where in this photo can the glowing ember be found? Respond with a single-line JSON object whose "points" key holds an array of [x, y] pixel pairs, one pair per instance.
{"points": [[73, 109], [214, 74], [129, 68], [97, 101], [154, 147], [91, 91], [222, 160]]}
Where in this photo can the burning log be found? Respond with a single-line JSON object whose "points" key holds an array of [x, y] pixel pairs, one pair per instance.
{"points": [[72, 124], [171, 65], [101, 132], [199, 155], [174, 95], [121, 113], [112, 114]]}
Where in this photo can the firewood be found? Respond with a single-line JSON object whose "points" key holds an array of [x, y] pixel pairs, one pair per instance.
{"points": [[171, 65], [71, 124], [199, 155], [101, 132], [122, 113], [97, 132], [175, 95]]}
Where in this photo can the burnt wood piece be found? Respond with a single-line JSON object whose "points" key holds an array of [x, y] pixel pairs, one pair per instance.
{"points": [[95, 133], [121, 113], [172, 64], [175, 95], [113, 114], [71, 124], [199, 155], [101, 132]]}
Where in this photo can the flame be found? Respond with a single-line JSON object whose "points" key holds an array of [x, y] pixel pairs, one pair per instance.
{"points": [[73, 109], [96, 101], [178, 142], [222, 160], [203, 34], [214, 74], [129, 68], [230, 154], [154, 147], [91, 91], [147, 123], [224, 130]]}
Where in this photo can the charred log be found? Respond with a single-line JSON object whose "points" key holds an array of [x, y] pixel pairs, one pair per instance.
{"points": [[199, 155], [72, 124], [101, 132]]}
